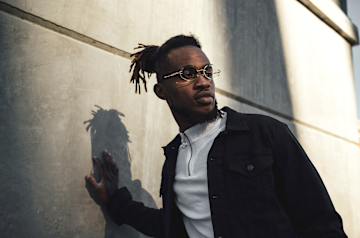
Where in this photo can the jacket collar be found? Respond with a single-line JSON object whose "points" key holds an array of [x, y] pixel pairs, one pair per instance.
{"points": [[235, 120], [173, 147]]}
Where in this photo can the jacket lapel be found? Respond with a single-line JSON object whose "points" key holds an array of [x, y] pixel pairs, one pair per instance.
{"points": [[171, 152]]}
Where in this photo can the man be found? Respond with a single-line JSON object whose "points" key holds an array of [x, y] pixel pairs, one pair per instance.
{"points": [[226, 174]]}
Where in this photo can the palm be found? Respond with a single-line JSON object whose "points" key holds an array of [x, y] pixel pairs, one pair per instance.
{"points": [[109, 177]]}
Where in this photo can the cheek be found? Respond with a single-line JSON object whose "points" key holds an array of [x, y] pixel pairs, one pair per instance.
{"points": [[183, 84], [178, 94], [173, 97]]}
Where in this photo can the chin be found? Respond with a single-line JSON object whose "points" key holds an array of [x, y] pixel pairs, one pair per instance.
{"points": [[202, 114], [208, 109]]}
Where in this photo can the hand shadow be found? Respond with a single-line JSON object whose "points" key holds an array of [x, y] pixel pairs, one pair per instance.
{"points": [[108, 132]]}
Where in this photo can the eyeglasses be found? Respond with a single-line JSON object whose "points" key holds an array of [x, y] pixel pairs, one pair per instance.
{"points": [[191, 72]]}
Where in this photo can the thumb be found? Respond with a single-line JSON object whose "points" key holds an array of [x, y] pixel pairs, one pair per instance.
{"points": [[91, 180]]}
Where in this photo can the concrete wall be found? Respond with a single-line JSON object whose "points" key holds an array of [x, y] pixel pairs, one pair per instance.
{"points": [[277, 59]]}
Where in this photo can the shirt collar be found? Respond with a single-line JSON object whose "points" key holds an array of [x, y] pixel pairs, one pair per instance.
{"points": [[201, 130], [235, 122]]}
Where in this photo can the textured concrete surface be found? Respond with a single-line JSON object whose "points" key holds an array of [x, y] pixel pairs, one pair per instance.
{"points": [[121, 23], [331, 13], [338, 163], [319, 69], [229, 30], [49, 85], [62, 101], [234, 26]]}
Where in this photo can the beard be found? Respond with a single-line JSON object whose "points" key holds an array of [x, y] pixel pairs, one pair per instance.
{"points": [[197, 117]]}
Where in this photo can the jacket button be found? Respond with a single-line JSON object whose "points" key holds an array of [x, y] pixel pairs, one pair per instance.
{"points": [[212, 159], [250, 167], [214, 197], [173, 148]]}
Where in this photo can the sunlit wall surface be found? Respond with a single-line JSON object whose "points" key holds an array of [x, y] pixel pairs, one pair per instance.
{"points": [[64, 99], [353, 12]]}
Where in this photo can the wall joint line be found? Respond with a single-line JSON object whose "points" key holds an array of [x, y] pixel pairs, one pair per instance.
{"points": [[62, 30], [279, 114]]}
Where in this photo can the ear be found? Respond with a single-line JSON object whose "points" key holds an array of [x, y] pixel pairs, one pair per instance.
{"points": [[160, 91]]}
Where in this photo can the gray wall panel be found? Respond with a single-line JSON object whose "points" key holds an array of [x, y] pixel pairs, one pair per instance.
{"points": [[49, 86]]}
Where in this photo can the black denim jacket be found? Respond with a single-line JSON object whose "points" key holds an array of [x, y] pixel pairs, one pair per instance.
{"points": [[261, 184]]}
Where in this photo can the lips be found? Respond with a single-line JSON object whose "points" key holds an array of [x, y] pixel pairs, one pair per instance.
{"points": [[204, 97]]}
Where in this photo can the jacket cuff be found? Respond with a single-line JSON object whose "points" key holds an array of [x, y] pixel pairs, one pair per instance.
{"points": [[115, 202]]}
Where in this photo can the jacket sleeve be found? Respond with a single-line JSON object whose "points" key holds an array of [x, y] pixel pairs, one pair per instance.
{"points": [[122, 209], [301, 191]]}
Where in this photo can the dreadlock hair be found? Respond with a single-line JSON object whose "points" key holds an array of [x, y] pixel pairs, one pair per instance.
{"points": [[153, 59]]}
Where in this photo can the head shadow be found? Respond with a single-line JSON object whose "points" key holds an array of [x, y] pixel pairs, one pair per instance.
{"points": [[107, 131]]}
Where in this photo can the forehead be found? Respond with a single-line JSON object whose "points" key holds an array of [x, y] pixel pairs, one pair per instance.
{"points": [[187, 55]]}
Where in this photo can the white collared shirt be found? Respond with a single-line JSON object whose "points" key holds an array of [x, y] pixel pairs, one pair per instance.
{"points": [[190, 185]]}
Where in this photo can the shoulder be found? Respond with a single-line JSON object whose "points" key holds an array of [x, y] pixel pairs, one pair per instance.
{"points": [[256, 126], [253, 120], [261, 120]]}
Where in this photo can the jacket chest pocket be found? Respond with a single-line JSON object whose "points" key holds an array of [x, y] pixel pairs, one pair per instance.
{"points": [[249, 179]]}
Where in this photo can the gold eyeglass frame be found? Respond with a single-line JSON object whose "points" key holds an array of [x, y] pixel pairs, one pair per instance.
{"points": [[203, 70]]}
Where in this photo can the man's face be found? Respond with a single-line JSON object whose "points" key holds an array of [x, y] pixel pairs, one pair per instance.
{"points": [[195, 100]]}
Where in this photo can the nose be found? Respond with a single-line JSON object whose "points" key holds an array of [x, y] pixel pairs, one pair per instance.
{"points": [[201, 82]]}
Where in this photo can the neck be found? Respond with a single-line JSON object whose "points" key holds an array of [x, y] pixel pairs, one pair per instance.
{"points": [[183, 122]]}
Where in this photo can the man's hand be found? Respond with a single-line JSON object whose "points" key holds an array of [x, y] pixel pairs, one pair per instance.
{"points": [[109, 177]]}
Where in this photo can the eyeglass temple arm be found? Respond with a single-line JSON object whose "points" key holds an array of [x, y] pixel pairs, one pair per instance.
{"points": [[170, 75]]}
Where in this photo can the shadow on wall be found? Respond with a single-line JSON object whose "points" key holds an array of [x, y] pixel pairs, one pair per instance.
{"points": [[258, 67], [108, 132]]}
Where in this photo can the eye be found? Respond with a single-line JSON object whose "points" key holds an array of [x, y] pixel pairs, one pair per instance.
{"points": [[189, 74], [212, 72], [209, 71]]}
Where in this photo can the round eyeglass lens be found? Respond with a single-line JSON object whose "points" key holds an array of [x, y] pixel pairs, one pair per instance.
{"points": [[189, 72], [208, 71], [212, 72]]}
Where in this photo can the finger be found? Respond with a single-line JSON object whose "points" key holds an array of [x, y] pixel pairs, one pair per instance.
{"points": [[107, 161], [117, 172], [100, 164], [91, 180], [113, 166]]}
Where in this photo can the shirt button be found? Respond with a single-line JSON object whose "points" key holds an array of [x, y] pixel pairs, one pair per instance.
{"points": [[214, 197], [250, 167]]}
